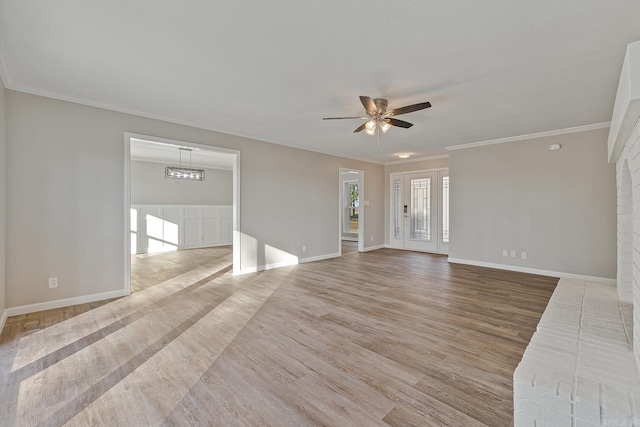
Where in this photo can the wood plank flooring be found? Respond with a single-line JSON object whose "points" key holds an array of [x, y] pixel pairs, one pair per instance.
{"points": [[382, 338], [150, 269]]}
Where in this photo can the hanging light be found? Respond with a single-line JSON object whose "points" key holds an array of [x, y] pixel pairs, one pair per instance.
{"points": [[385, 126], [184, 172]]}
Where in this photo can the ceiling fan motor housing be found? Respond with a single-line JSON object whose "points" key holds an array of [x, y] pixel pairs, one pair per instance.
{"points": [[381, 104]]}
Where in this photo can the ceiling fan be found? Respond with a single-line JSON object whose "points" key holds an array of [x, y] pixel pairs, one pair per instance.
{"points": [[379, 118]]}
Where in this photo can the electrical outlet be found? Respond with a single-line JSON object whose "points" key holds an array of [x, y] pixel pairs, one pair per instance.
{"points": [[505, 253], [53, 282], [523, 255], [512, 253], [372, 238], [304, 248]]}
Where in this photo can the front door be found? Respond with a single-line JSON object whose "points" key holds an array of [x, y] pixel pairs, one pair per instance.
{"points": [[419, 211]]}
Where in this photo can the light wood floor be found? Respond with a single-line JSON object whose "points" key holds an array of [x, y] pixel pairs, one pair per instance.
{"points": [[349, 247], [371, 339], [150, 269]]}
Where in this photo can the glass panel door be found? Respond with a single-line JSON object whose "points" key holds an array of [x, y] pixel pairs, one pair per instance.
{"points": [[419, 220], [419, 208], [443, 223], [397, 208]]}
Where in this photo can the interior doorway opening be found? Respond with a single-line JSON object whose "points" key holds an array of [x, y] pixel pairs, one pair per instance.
{"points": [[181, 210], [351, 230]]}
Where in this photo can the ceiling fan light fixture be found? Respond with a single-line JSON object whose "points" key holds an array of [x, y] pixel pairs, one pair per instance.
{"points": [[377, 116], [371, 125]]}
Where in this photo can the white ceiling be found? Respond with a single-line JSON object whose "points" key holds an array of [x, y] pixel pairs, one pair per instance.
{"points": [[169, 154], [272, 70]]}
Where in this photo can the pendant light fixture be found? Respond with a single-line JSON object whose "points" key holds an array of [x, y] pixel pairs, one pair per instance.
{"points": [[184, 172]]}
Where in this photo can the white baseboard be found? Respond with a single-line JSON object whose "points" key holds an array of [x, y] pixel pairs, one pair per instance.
{"points": [[3, 320], [41, 306], [373, 248], [202, 246], [286, 263], [267, 267], [319, 257], [532, 270]]}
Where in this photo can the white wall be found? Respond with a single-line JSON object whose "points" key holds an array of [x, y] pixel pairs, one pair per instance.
{"points": [[3, 169], [66, 219], [150, 187], [557, 206], [406, 166]]}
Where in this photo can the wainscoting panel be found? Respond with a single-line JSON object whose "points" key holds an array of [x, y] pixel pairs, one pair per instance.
{"points": [[169, 227]]}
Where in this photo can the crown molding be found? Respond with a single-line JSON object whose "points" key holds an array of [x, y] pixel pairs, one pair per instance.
{"points": [[168, 119], [531, 136], [417, 159]]}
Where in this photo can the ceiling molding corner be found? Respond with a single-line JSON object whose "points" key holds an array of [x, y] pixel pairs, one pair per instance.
{"points": [[556, 132]]}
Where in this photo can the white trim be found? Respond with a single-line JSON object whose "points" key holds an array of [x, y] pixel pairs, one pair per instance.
{"points": [[417, 159], [206, 245], [576, 129], [49, 305], [361, 211], [373, 248], [174, 120], [285, 263], [236, 252], [3, 319], [318, 258], [519, 269], [127, 213], [419, 171], [265, 267]]}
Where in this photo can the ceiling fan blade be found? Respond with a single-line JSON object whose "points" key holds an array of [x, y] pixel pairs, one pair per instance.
{"points": [[341, 118], [409, 108], [369, 105], [399, 123], [360, 128]]}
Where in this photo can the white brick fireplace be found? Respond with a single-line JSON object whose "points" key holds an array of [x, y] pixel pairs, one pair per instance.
{"points": [[624, 150], [581, 367]]}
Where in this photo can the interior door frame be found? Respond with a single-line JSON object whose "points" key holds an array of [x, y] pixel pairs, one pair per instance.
{"points": [[344, 202], [361, 205], [236, 250], [437, 228]]}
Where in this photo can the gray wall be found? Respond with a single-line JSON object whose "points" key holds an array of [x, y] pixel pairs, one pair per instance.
{"points": [[406, 166], [558, 206], [67, 218], [3, 208], [149, 186]]}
